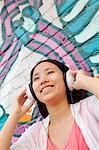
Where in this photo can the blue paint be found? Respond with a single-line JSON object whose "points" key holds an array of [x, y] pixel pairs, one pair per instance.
{"points": [[66, 6], [3, 116], [92, 46], [79, 23]]}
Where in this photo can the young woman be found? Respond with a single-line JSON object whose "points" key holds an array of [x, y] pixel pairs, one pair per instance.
{"points": [[68, 123]]}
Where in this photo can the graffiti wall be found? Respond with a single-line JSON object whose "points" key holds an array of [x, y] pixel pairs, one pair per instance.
{"points": [[32, 30]]}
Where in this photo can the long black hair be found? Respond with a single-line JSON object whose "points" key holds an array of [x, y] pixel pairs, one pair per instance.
{"points": [[77, 95]]}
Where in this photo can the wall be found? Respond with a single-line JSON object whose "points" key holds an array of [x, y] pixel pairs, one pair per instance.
{"points": [[31, 30]]}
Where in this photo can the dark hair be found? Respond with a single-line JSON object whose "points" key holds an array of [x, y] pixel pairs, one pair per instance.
{"points": [[76, 94]]}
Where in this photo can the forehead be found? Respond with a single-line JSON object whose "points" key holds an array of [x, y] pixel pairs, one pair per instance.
{"points": [[45, 66]]}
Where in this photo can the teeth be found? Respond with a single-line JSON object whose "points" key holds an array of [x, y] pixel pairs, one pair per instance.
{"points": [[46, 88]]}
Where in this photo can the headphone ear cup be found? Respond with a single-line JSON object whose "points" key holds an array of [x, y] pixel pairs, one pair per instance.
{"points": [[28, 92], [70, 80]]}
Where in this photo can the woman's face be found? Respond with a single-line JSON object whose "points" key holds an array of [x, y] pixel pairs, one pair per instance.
{"points": [[48, 83]]}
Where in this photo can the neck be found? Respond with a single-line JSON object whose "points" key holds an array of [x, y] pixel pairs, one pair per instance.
{"points": [[59, 112]]}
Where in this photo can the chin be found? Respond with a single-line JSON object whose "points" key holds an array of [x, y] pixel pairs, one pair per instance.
{"points": [[49, 100]]}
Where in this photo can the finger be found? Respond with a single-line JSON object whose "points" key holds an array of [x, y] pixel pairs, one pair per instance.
{"points": [[22, 95], [26, 108], [23, 90], [23, 100], [74, 86], [74, 72], [25, 95]]}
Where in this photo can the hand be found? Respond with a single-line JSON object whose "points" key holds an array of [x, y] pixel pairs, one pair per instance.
{"points": [[19, 108], [78, 75]]}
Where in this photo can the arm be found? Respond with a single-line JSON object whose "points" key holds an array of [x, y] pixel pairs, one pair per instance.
{"points": [[18, 111], [85, 82]]}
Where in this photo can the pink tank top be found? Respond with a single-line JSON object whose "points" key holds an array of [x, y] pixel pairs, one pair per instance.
{"points": [[75, 141]]}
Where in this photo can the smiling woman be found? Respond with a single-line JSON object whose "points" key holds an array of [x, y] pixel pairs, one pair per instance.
{"points": [[50, 70], [67, 122]]}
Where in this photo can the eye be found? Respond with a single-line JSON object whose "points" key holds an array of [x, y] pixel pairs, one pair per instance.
{"points": [[50, 72], [35, 78]]}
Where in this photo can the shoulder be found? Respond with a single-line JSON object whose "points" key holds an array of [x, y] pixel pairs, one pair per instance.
{"points": [[89, 104], [85, 104], [32, 136], [38, 125], [87, 101], [90, 101]]}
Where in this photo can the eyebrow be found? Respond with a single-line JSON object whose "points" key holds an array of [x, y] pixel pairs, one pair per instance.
{"points": [[38, 73]]}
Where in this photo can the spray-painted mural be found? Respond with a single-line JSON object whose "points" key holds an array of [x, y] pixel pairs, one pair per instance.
{"points": [[31, 30]]}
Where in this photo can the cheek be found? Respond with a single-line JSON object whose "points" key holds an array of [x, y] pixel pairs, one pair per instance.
{"points": [[34, 87], [61, 85], [57, 80]]}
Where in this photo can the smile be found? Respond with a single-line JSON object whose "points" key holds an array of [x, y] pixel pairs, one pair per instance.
{"points": [[46, 87]]}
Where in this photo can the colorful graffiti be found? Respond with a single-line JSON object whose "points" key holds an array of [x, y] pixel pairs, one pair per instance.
{"points": [[3, 116], [61, 29]]}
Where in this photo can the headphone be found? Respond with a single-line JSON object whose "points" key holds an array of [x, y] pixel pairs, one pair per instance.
{"points": [[69, 78]]}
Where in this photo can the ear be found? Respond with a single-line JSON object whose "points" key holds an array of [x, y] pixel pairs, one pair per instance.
{"points": [[28, 92], [70, 80]]}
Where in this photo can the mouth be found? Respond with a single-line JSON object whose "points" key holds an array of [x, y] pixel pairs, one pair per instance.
{"points": [[46, 87]]}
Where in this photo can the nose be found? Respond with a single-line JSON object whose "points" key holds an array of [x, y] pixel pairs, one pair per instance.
{"points": [[44, 79]]}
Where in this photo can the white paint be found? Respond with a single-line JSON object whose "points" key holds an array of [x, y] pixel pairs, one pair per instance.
{"points": [[17, 17], [18, 76], [94, 59], [29, 24], [76, 10], [23, 6], [49, 12], [21, 64], [1, 5], [89, 31], [95, 72]]}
